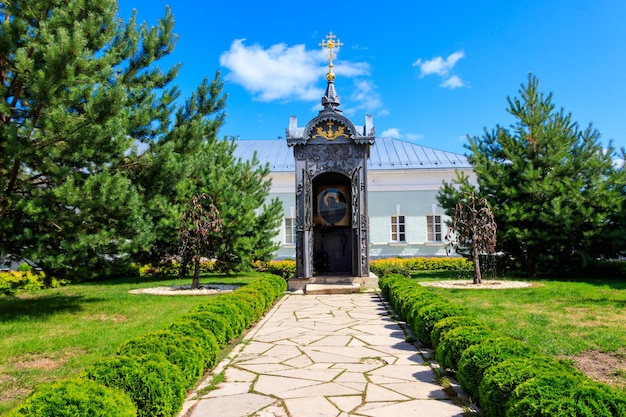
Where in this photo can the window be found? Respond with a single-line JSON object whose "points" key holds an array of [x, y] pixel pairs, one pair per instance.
{"points": [[397, 229], [290, 231], [434, 228]]}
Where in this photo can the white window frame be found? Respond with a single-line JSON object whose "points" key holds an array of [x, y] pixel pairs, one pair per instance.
{"points": [[434, 229], [290, 229], [398, 228]]}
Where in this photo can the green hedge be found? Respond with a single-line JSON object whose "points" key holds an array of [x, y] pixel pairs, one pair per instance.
{"points": [[500, 380], [446, 324], [476, 359], [213, 323], [75, 398], [505, 376], [154, 371], [559, 394], [156, 386], [427, 316]]}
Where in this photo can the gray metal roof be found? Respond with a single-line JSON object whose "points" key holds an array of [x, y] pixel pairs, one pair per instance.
{"points": [[386, 154]]}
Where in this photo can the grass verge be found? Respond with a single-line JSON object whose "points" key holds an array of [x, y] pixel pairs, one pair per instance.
{"points": [[56, 333], [565, 319]]}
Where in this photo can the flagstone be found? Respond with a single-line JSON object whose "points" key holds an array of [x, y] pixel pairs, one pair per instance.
{"points": [[229, 388], [272, 411], [330, 356], [232, 406], [300, 361], [320, 375], [430, 408], [263, 368], [376, 393], [312, 407], [233, 374], [321, 390], [275, 385], [349, 377], [339, 340], [417, 390], [346, 403]]}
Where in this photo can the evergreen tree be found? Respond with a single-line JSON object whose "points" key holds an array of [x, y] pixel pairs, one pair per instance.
{"points": [[554, 191], [76, 84], [81, 89]]}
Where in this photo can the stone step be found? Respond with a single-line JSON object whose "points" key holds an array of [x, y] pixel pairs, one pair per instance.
{"points": [[316, 289]]}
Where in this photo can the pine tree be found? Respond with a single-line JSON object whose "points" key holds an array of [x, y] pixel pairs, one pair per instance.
{"points": [[554, 191]]}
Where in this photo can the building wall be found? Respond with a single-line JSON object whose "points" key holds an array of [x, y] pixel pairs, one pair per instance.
{"points": [[407, 192]]}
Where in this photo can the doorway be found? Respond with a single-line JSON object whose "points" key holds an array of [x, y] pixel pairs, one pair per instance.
{"points": [[332, 225]]}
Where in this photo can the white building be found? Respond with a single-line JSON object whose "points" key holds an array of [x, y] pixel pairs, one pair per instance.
{"points": [[403, 180]]}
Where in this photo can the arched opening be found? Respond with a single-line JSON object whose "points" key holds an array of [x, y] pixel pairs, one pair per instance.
{"points": [[332, 225]]}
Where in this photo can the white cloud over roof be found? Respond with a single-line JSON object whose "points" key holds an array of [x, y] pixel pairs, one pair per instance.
{"points": [[282, 72], [443, 68]]}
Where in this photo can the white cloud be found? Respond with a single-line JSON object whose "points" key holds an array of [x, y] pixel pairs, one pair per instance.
{"points": [[279, 72], [283, 72], [366, 98], [452, 82], [443, 68], [394, 132]]}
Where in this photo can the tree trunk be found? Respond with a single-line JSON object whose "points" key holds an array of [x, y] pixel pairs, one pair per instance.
{"points": [[477, 274], [195, 282]]}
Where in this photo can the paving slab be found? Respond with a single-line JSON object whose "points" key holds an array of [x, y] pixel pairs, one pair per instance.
{"points": [[338, 355]]}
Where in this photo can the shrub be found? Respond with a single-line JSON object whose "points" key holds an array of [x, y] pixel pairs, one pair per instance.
{"points": [[446, 324], [560, 394], [500, 380], [156, 386], [15, 282], [181, 351], [388, 266], [427, 316], [284, 268], [456, 341], [227, 309], [204, 338], [213, 323], [75, 398], [476, 359]]}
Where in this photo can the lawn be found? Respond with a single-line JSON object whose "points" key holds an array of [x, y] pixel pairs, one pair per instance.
{"points": [[56, 333], [580, 320]]}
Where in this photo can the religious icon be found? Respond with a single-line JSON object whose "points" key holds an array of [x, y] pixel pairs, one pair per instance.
{"points": [[333, 206]]}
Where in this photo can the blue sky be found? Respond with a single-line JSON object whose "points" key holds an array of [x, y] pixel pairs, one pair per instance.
{"points": [[429, 72]]}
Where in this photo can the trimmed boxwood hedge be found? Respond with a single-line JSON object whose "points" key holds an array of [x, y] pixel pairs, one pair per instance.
{"points": [[448, 323], [155, 370], [558, 394], [75, 398], [213, 323], [181, 351], [507, 377], [476, 359], [455, 342], [427, 316], [156, 386], [205, 338], [500, 380]]}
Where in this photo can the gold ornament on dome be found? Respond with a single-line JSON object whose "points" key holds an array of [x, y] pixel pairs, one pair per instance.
{"points": [[329, 132]]}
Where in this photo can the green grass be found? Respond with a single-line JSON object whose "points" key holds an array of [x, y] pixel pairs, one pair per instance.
{"points": [[56, 333], [559, 318]]}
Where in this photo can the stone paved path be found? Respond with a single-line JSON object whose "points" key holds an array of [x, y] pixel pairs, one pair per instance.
{"points": [[327, 356]]}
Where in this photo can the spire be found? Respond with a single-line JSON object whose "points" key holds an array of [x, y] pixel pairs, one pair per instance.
{"points": [[330, 101]]}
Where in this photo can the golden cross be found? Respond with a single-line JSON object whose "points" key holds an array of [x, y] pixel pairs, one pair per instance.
{"points": [[330, 44]]}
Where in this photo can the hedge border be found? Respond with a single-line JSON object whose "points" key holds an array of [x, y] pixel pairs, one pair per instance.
{"points": [[174, 357], [485, 373]]}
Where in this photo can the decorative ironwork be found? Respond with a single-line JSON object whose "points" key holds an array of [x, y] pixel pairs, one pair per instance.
{"points": [[330, 133]]}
